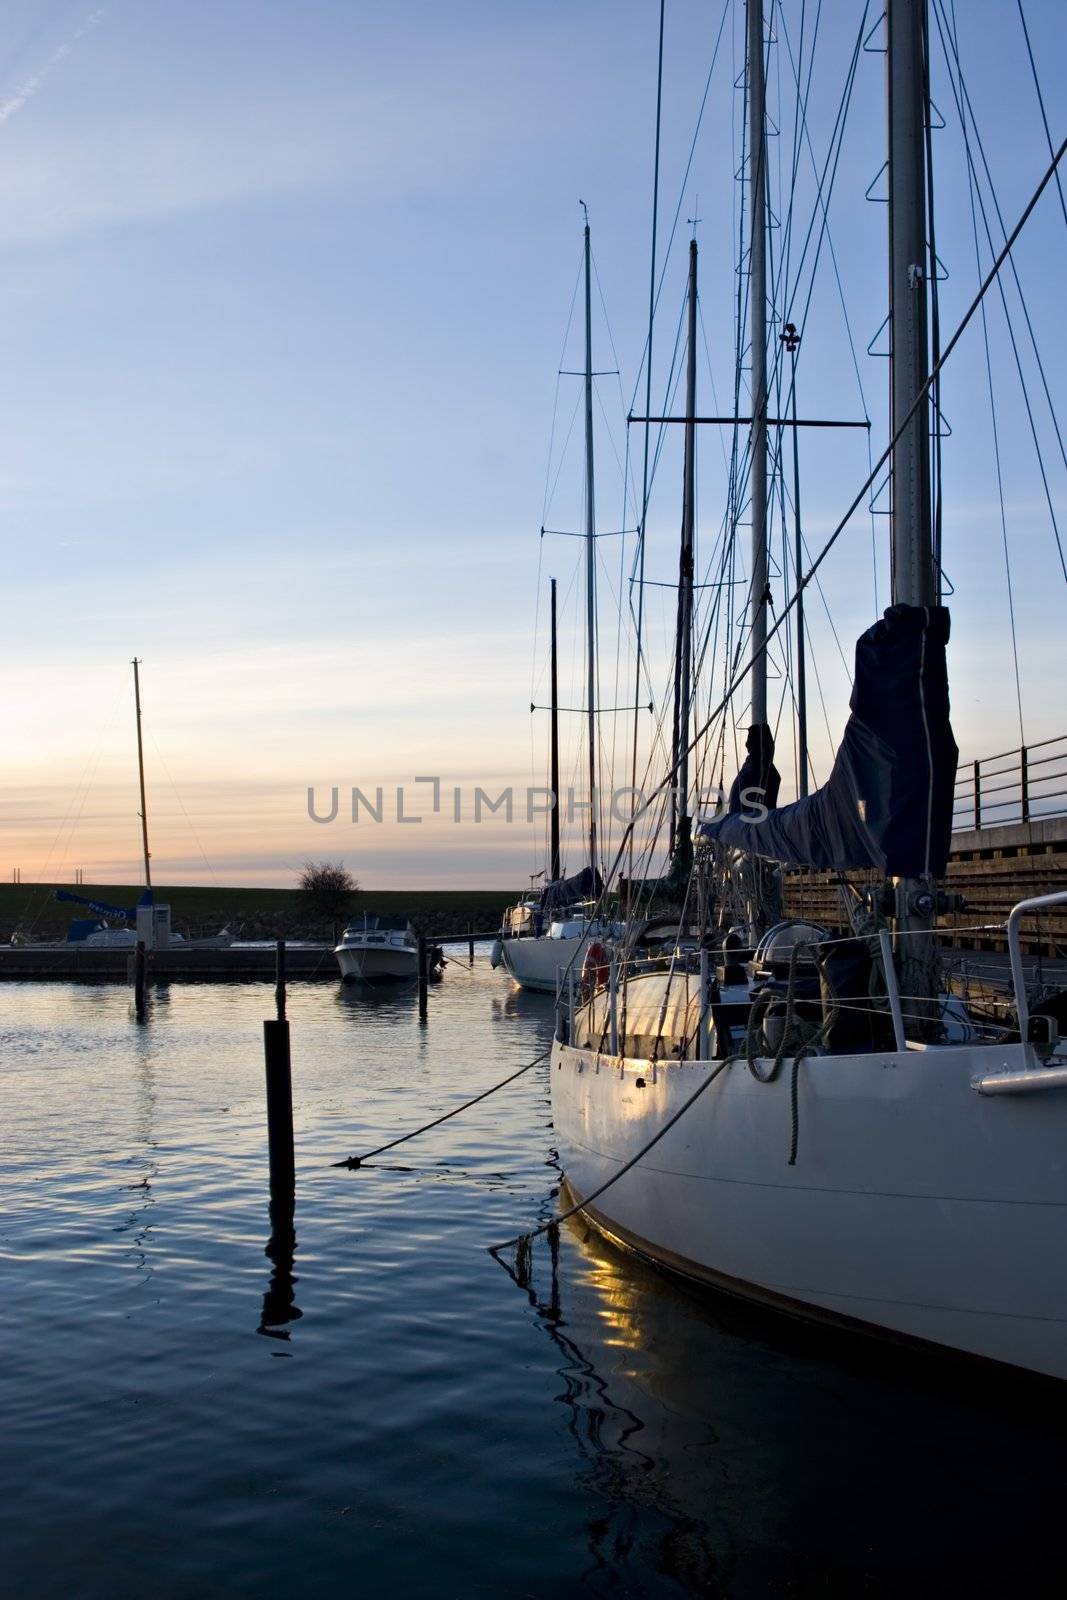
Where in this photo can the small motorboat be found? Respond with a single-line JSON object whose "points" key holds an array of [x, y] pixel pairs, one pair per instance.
{"points": [[378, 949]]}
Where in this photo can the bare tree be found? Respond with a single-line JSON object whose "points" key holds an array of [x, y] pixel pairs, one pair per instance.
{"points": [[329, 886]]}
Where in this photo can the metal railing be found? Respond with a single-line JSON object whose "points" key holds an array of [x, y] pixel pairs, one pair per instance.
{"points": [[1015, 786]]}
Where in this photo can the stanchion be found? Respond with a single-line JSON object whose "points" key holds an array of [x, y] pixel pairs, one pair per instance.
{"points": [[613, 1006], [424, 977], [704, 1025]]}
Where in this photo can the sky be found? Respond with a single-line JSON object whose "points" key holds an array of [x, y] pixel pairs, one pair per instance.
{"points": [[283, 294]]}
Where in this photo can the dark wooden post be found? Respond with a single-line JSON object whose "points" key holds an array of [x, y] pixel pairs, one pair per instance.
{"points": [[424, 977], [470, 943], [278, 1064], [978, 794], [279, 980], [1024, 783], [139, 974]]}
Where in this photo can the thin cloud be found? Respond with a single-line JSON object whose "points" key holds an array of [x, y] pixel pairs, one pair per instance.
{"points": [[29, 87]]}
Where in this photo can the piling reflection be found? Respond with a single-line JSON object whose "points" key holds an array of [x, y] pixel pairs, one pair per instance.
{"points": [[137, 1223], [279, 1301]]}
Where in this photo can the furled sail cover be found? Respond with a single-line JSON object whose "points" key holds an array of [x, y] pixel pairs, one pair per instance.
{"points": [[103, 909], [585, 885], [888, 801]]}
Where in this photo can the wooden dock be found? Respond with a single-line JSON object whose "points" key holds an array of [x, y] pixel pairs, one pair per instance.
{"points": [[992, 868], [304, 963]]}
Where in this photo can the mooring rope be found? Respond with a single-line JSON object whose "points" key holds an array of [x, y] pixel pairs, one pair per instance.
{"points": [[352, 1162], [523, 1241]]}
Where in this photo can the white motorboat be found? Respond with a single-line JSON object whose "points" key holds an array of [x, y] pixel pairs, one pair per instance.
{"points": [[377, 950]]}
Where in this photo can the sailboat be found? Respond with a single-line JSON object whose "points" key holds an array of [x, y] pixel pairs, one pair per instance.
{"points": [[147, 922], [554, 931], [795, 1114]]}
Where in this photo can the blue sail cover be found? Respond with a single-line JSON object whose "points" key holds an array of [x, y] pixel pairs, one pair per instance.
{"points": [[887, 804], [103, 909]]}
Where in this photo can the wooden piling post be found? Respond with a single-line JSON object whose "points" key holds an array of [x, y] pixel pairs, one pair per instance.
{"points": [[470, 943], [279, 980], [139, 975], [279, 1110], [424, 977]]}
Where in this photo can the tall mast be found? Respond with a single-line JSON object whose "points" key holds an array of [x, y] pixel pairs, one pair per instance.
{"points": [[914, 581], [140, 772], [791, 340], [590, 558], [757, 320], [553, 765], [913, 577], [683, 685]]}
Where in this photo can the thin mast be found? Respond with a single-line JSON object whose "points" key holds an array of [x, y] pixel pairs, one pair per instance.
{"points": [[590, 557], [140, 773], [757, 320], [913, 577], [553, 774], [648, 410], [683, 687], [791, 340]]}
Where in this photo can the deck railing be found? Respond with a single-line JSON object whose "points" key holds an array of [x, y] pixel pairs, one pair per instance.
{"points": [[1015, 786]]}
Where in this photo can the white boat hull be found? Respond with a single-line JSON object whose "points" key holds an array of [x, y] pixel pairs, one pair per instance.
{"points": [[537, 963], [916, 1206], [381, 964]]}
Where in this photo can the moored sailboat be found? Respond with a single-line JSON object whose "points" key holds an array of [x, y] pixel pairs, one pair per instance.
{"points": [[547, 935], [818, 1127]]}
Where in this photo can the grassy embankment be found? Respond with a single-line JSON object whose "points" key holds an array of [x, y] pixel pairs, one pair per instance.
{"points": [[252, 913]]}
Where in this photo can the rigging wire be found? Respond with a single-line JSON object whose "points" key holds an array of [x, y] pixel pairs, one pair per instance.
{"points": [[998, 467], [1040, 102], [961, 327], [184, 812], [966, 97], [559, 374], [743, 671], [966, 110], [825, 184]]}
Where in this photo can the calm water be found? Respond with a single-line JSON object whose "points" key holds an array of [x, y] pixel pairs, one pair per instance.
{"points": [[419, 1424]]}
